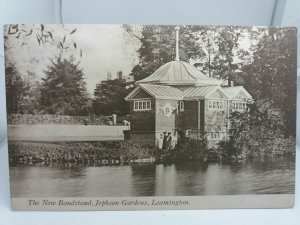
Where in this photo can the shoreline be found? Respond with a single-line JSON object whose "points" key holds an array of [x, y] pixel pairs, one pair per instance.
{"points": [[103, 153], [82, 152]]}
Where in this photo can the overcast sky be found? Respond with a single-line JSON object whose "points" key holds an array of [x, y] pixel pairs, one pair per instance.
{"points": [[105, 48]]}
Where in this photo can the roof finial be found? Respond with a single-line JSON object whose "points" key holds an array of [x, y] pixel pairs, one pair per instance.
{"points": [[177, 45]]}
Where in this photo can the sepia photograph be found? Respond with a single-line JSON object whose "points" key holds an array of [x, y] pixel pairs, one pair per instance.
{"points": [[101, 111]]}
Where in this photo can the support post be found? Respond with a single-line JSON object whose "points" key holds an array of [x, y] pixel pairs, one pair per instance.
{"points": [[177, 43], [114, 119]]}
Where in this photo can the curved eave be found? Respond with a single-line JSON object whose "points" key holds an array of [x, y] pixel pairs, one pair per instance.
{"points": [[248, 100], [167, 92], [147, 82], [159, 97], [183, 83]]}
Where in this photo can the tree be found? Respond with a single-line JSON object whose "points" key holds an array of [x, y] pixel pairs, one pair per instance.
{"points": [[213, 50], [271, 76], [268, 127], [63, 89], [15, 90], [60, 38], [258, 133], [229, 50], [158, 47], [109, 98]]}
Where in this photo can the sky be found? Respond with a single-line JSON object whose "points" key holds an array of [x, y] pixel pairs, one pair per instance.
{"points": [[105, 48]]}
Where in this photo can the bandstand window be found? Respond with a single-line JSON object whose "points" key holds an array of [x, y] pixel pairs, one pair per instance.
{"points": [[142, 105], [239, 106], [215, 105]]}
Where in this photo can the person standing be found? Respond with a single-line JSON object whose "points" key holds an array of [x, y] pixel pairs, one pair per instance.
{"points": [[169, 141], [164, 145]]}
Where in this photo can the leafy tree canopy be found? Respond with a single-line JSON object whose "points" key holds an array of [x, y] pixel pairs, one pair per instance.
{"points": [[271, 76], [15, 90], [63, 89], [109, 97], [213, 50]]}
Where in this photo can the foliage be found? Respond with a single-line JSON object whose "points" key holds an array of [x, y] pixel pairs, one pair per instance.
{"points": [[268, 127], [158, 48], [271, 77], [212, 50], [24, 87], [30, 119], [227, 149], [109, 98], [77, 152], [15, 90], [63, 89], [191, 149], [60, 36], [257, 134]]}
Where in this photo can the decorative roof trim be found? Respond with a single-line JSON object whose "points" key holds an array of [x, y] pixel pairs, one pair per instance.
{"points": [[144, 88], [183, 83], [217, 88], [221, 92], [132, 93], [163, 98], [239, 88]]}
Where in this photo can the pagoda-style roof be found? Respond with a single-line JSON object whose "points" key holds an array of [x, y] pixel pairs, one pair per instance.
{"points": [[179, 73], [190, 93]]}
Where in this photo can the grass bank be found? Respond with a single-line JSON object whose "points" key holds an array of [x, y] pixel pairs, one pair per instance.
{"points": [[126, 152], [22, 152]]}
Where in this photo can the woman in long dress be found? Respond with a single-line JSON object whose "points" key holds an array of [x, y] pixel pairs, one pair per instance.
{"points": [[169, 141]]}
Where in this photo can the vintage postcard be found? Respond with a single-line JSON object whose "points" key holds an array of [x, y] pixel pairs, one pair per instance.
{"points": [[146, 117]]}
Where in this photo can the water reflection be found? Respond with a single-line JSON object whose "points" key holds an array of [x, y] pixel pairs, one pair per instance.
{"points": [[165, 183], [143, 180], [190, 178]]}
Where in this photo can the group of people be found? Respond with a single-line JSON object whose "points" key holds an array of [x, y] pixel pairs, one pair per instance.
{"points": [[167, 141]]}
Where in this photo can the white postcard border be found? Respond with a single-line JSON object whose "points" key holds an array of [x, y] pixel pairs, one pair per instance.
{"points": [[153, 203]]}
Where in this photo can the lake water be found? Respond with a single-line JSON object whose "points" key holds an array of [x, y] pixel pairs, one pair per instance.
{"points": [[190, 178]]}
